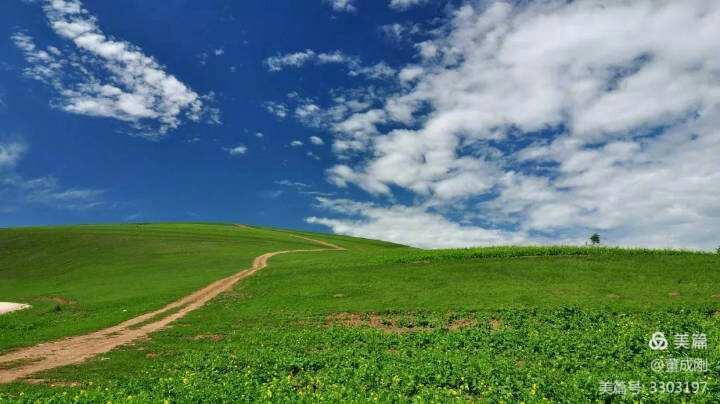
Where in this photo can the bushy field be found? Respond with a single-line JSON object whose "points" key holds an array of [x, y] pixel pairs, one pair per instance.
{"points": [[530, 355], [382, 322], [534, 251]]}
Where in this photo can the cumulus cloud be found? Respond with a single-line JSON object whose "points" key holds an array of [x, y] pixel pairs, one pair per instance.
{"points": [[237, 150], [405, 4], [352, 64], [377, 71], [280, 110], [551, 119], [106, 77], [400, 32], [410, 225], [310, 114], [357, 130], [316, 141], [347, 6], [296, 143], [348, 116]]}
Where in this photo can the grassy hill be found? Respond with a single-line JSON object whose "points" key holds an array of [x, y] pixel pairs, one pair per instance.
{"points": [[378, 321]]}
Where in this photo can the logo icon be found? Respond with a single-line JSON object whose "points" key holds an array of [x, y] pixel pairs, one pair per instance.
{"points": [[658, 342], [657, 365]]}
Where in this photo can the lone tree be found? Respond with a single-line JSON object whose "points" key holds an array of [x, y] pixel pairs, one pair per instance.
{"points": [[595, 239]]}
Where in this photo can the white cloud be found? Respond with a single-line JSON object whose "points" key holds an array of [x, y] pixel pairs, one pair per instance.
{"points": [[408, 225], [292, 184], [278, 109], [377, 71], [279, 63], [219, 52], [296, 143], [106, 77], [405, 4], [411, 73], [400, 32], [17, 191], [355, 132], [347, 6], [310, 114], [47, 191], [237, 150], [428, 50], [341, 175], [619, 103], [348, 118], [259, 135], [316, 141], [353, 64], [10, 154]]}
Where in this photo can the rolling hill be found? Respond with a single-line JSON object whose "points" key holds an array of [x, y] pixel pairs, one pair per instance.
{"points": [[373, 321]]}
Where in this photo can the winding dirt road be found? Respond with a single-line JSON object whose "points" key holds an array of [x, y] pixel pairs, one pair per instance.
{"points": [[49, 355]]}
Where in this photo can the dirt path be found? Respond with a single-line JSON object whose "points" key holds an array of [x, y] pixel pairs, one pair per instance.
{"points": [[27, 361]]}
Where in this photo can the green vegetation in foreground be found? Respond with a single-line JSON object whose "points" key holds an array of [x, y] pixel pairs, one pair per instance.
{"points": [[378, 321]]}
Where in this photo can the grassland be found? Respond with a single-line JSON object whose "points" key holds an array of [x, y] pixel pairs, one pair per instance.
{"points": [[378, 321], [85, 278]]}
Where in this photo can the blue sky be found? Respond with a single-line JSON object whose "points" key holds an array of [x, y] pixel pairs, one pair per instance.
{"points": [[187, 174], [430, 123]]}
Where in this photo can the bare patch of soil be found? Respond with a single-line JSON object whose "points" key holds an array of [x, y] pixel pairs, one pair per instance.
{"points": [[393, 323], [496, 324], [462, 323], [372, 320], [209, 337]]}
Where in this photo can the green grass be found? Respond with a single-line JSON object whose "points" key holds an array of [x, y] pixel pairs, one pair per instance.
{"points": [[540, 322], [85, 278], [412, 280]]}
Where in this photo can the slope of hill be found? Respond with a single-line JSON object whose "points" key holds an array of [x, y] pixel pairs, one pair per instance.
{"points": [[377, 321]]}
